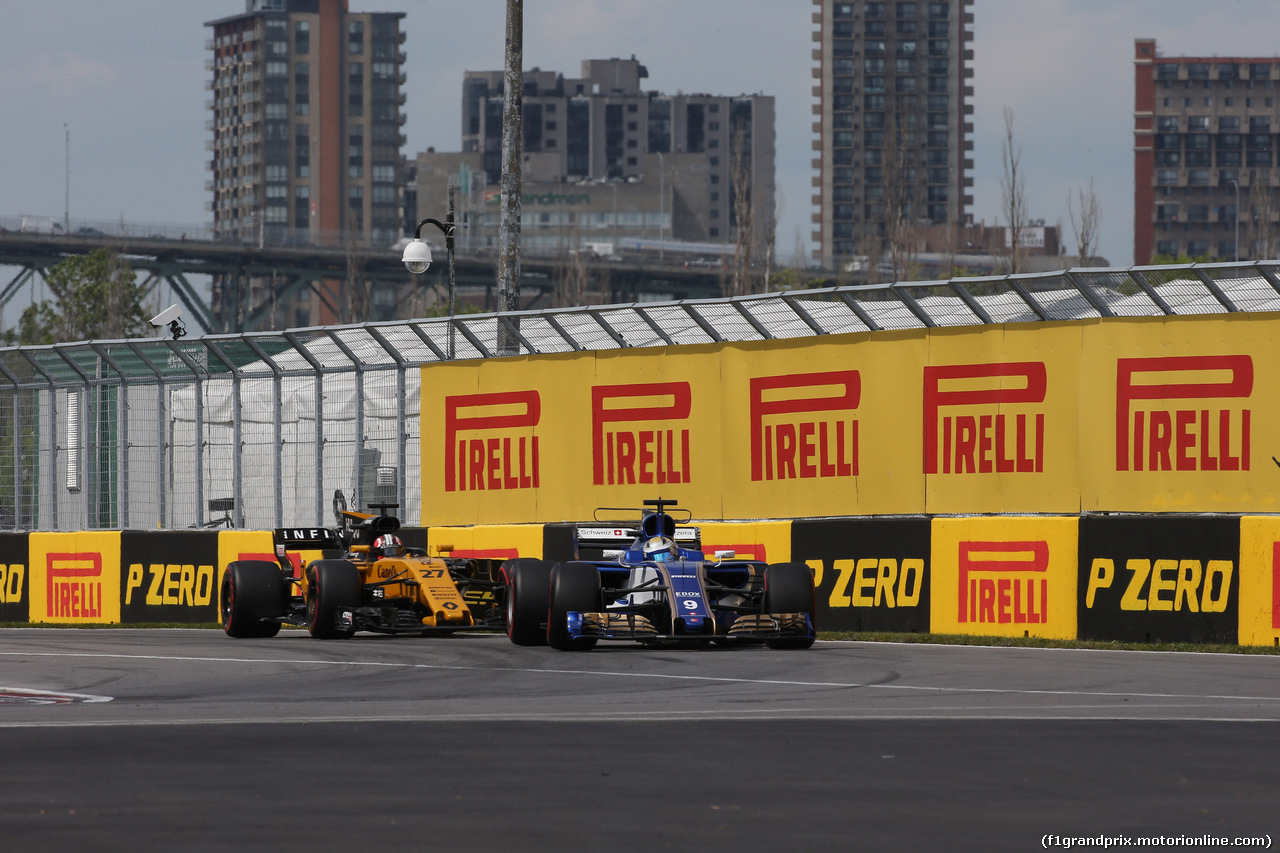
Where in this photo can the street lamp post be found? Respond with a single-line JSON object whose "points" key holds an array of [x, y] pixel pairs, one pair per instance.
{"points": [[417, 257]]}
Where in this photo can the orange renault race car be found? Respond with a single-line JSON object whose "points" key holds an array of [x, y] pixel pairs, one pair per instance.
{"points": [[365, 580]]}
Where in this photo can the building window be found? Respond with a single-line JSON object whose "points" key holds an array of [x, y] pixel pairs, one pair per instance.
{"points": [[355, 37], [302, 37]]}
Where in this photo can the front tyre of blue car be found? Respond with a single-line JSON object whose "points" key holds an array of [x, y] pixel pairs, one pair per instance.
{"points": [[574, 587], [788, 588]]}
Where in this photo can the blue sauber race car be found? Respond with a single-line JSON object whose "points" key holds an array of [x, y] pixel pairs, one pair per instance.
{"points": [[657, 588]]}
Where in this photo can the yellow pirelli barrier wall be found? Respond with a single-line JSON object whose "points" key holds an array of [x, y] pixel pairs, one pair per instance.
{"points": [[1135, 577], [1165, 414]]}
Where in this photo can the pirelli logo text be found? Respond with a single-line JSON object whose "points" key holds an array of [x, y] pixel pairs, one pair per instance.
{"points": [[632, 440], [489, 441], [1004, 582], [73, 586], [803, 425], [1183, 413], [988, 441]]}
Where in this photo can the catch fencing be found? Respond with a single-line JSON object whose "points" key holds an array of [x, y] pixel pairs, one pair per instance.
{"points": [[272, 429]]}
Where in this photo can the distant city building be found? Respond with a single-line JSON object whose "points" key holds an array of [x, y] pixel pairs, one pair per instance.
{"points": [[306, 122], [893, 126], [606, 161], [1204, 142]]}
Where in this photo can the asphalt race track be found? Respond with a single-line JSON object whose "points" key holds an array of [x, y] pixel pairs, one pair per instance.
{"points": [[185, 740]]}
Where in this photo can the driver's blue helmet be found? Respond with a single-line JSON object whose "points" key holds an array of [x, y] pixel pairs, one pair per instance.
{"points": [[660, 549]]}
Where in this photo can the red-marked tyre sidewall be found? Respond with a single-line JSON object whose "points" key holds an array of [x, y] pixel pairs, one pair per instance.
{"points": [[528, 584], [252, 591], [333, 585]]}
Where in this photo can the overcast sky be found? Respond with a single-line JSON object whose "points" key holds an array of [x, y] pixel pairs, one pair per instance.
{"points": [[125, 79]]}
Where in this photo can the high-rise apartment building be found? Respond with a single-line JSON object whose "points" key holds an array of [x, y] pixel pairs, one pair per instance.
{"points": [[306, 123], [691, 167], [893, 129], [1204, 151]]}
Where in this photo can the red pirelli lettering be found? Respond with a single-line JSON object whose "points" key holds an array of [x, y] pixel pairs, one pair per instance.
{"points": [[990, 589], [983, 443], [803, 448], [1183, 438], [492, 462], [641, 455], [73, 585]]}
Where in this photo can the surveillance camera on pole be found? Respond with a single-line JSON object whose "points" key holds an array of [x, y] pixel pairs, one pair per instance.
{"points": [[417, 256], [171, 317]]}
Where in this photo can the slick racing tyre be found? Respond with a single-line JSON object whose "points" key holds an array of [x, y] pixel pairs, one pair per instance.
{"points": [[788, 588], [574, 586], [333, 586], [527, 582], [252, 591]]}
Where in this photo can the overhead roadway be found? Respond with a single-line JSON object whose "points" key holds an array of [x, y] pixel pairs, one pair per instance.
{"points": [[323, 270]]}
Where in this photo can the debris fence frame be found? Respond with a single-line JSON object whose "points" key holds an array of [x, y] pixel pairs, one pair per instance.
{"points": [[264, 429]]}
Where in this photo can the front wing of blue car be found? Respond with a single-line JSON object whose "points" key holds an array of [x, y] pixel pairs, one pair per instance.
{"points": [[636, 627]]}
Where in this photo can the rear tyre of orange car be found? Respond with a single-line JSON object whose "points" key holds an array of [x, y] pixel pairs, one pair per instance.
{"points": [[528, 582], [333, 586], [574, 587], [788, 588], [252, 593]]}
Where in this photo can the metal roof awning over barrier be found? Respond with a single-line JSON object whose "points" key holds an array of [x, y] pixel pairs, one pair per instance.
{"points": [[152, 433]]}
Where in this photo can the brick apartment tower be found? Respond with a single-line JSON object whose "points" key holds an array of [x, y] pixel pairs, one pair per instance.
{"points": [[889, 68], [306, 123], [1204, 148]]}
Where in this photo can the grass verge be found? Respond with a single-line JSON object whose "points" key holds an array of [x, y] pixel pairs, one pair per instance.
{"points": [[1043, 643]]}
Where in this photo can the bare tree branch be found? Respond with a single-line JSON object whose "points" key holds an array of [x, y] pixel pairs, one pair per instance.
{"points": [[1013, 190], [1085, 214]]}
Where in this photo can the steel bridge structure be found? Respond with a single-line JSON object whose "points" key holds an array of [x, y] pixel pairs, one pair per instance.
{"points": [[248, 282]]}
